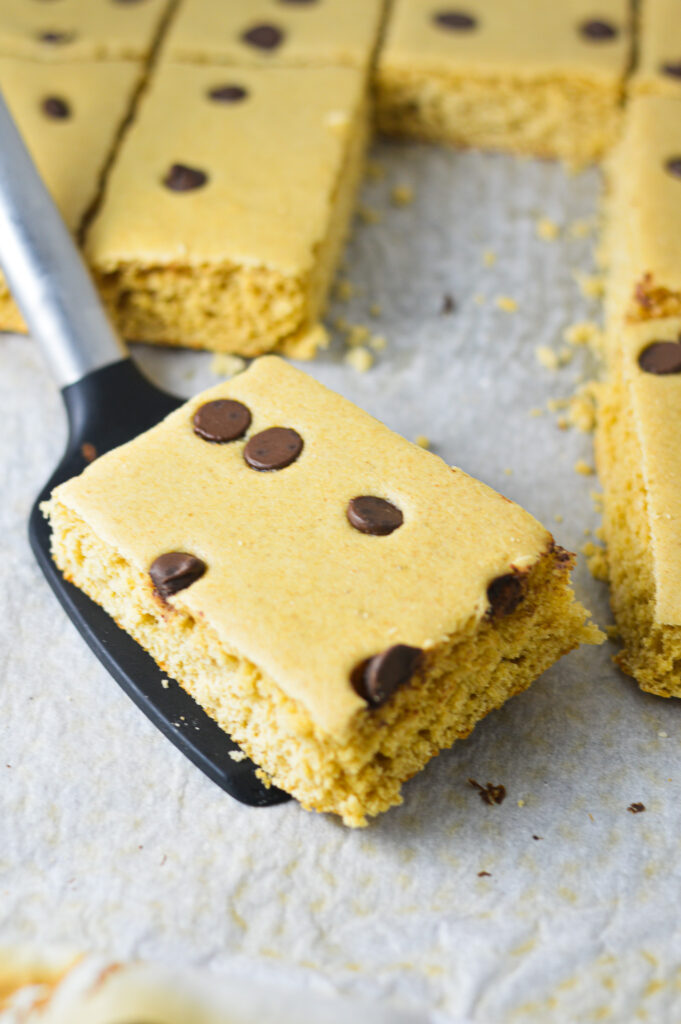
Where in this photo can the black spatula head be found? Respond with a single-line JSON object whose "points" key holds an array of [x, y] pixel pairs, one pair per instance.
{"points": [[107, 408]]}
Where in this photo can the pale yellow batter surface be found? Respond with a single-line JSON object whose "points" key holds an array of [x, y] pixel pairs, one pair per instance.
{"points": [[328, 32], [85, 29], [294, 598], [243, 262], [70, 153], [637, 448], [642, 243], [524, 78], [658, 67]]}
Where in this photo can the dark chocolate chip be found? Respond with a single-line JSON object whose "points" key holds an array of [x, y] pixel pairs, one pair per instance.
{"points": [[491, 793], [636, 808], [53, 106], [56, 38], [373, 515], [88, 451], [274, 448], [596, 30], [455, 21], [661, 357], [181, 178], [377, 678], [673, 166], [505, 594], [263, 37], [671, 68], [228, 93], [222, 420], [175, 571]]}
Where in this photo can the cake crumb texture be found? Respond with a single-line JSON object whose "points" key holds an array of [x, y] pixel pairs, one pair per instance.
{"points": [[270, 636]]}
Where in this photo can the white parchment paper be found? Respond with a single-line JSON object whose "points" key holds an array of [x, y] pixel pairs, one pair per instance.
{"points": [[111, 841]]}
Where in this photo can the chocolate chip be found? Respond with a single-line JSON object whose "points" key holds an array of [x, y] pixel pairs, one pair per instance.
{"points": [[263, 37], [491, 793], [181, 178], [598, 30], [228, 93], [274, 448], [673, 166], [661, 357], [175, 571], [505, 594], [222, 420], [56, 38], [88, 451], [448, 305], [377, 678], [455, 21], [373, 515], [53, 106], [671, 68], [636, 808]]}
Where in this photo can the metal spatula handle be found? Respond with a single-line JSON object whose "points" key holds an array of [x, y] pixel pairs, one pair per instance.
{"points": [[45, 271]]}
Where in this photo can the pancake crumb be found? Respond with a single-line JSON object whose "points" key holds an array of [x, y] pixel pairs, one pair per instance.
{"points": [[596, 560], [581, 228], [592, 286], [505, 302], [402, 195], [343, 290], [238, 755], [357, 334], [359, 359], [225, 365], [422, 441], [584, 332], [546, 357], [368, 215], [583, 468], [378, 342], [547, 229], [489, 257]]}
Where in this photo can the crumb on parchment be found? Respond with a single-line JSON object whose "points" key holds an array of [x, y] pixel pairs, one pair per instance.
{"points": [[583, 468], [343, 289], [402, 195], [359, 358], [506, 303], [422, 441], [596, 560], [223, 364], [547, 229], [368, 215]]}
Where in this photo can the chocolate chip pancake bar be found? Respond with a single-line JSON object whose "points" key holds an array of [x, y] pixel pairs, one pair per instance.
{"points": [[341, 601], [641, 246], [228, 204], [520, 75], [637, 448], [69, 129]]}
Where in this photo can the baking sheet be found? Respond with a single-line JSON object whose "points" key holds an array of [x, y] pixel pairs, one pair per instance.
{"points": [[111, 841]]}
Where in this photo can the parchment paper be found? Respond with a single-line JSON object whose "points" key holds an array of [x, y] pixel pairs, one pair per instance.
{"points": [[111, 841]]}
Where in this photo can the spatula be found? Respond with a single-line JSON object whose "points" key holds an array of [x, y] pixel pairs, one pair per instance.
{"points": [[108, 401]]}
